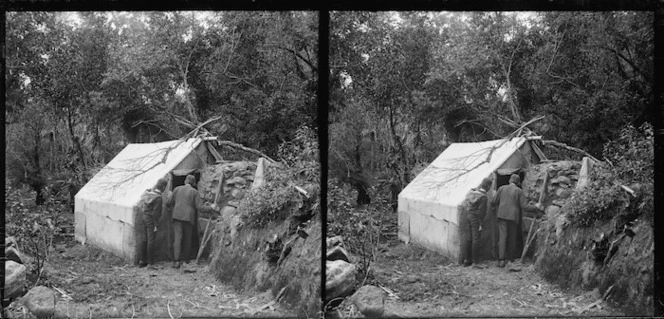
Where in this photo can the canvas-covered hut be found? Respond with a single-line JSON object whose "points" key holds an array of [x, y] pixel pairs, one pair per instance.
{"points": [[428, 207], [106, 207]]}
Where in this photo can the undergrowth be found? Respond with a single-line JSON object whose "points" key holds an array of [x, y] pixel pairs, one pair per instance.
{"points": [[629, 163], [608, 243], [360, 226], [279, 238], [299, 166], [35, 227]]}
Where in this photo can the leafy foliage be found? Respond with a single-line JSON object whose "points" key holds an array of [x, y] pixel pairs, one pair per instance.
{"points": [[96, 81], [278, 199], [34, 227], [426, 79], [360, 226], [632, 158]]}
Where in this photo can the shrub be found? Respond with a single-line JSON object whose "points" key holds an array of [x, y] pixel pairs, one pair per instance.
{"points": [[359, 226], [278, 198], [34, 227], [630, 161]]}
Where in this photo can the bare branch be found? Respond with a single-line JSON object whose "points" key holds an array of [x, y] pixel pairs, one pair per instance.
{"points": [[571, 148], [246, 149]]}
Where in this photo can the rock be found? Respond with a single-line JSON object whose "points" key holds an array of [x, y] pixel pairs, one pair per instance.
{"points": [[370, 301], [558, 202], [261, 170], [561, 180], [334, 241], [11, 253], [337, 253], [563, 192], [340, 281], [237, 193], [551, 211], [584, 172], [10, 242], [237, 180], [14, 279], [40, 301], [561, 223]]}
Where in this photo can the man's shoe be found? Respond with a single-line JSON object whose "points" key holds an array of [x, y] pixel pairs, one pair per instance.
{"points": [[154, 267], [501, 263], [176, 264], [142, 264], [477, 266], [466, 264]]}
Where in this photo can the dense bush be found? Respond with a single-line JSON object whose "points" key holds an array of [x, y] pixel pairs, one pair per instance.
{"points": [[278, 198], [34, 227], [630, 163], [360, 226]]}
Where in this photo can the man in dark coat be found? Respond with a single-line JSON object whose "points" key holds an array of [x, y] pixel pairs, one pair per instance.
{"points": [[510, 201], [146, 223], [473, 222], [186, 202]]}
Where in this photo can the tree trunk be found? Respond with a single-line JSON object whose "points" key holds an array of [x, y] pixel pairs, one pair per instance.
{"points": [[37, 182], [74, 138], [400, 148]]}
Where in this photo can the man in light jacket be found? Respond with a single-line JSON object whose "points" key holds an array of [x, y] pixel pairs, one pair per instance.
{"points": [[186, 202]]}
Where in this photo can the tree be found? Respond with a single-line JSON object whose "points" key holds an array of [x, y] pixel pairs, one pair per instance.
{"points": [[102, 79]]}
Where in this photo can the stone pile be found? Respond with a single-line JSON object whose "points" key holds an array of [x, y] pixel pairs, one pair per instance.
{"points": [[237, 178], [561, 178]]}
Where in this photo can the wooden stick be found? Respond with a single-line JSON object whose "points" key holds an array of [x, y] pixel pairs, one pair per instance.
{"points": [[543, 189], [529, 239], [204, 241]]}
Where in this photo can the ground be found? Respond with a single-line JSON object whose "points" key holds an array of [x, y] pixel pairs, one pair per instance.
{"points": [[93, 284], [423, 283]]}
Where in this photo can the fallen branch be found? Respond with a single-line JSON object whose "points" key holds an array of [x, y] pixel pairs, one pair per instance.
{"points": [[629, 190], [610, 253], [523, 304], [567, 147], [271, 303], [65, 296], [594, 304], [523, 126], [389, 292], [606, 293], [168, 306], [200, 126], [246, 149], [588, 307], [288, 246]]}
